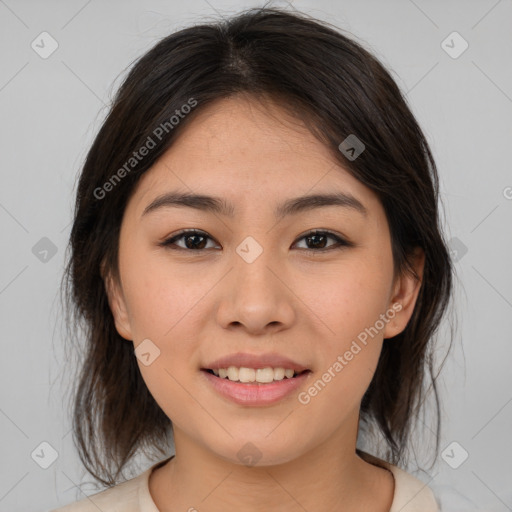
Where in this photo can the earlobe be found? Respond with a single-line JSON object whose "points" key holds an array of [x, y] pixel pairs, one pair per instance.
{"points": [[405, 295], [117, 305]]}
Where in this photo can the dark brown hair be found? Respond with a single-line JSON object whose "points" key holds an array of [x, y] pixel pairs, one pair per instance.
{"points": [[337, 88]]}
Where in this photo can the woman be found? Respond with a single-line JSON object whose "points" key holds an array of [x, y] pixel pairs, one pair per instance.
{"points": [[257, 258]]}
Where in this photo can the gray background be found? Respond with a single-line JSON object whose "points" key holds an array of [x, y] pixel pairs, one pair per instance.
{"points": [[50, 110]]}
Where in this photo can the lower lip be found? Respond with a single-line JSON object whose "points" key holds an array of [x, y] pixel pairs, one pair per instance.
{"points": [[255, 394]]}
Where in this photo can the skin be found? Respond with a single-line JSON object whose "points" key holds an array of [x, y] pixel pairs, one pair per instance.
{"points": [[309, 306]]}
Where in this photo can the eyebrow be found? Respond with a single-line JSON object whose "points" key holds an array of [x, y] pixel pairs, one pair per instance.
{"points": [[221, 206]]}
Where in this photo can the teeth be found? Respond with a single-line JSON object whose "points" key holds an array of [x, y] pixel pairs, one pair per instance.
{"points": [[261, 375]]}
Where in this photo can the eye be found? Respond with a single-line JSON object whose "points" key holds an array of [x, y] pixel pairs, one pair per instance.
{"points": [[319, 238], [197, 240], [194, 240]]}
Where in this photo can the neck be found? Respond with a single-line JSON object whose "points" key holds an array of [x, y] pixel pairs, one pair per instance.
{"points": [[322, 479]]}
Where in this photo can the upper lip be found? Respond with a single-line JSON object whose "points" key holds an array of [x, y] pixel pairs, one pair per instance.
{"points": [[255, 361]]}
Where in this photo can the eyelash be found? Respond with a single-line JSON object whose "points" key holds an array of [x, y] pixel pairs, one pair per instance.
{"points": [[341, 242]]}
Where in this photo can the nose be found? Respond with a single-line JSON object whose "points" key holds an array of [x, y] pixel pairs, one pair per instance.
{"points": [[255, 296]]}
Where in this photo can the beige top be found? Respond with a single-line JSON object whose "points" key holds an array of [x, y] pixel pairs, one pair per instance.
{"points": [[411, 495]]}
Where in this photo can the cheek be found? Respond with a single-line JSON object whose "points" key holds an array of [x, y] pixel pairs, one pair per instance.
{"points": [[353, 298], [165, 307], [349, 308], [159, 296]]}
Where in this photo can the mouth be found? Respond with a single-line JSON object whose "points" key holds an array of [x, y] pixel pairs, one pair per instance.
{"points": [[262, 376], [242, 386]]}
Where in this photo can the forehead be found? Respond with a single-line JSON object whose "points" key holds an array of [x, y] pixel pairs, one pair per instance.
{"points": [[241, 148], [235, 128]]}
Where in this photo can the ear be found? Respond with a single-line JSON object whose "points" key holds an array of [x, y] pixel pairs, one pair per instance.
{"points": [[405, 293], [117, 304]]}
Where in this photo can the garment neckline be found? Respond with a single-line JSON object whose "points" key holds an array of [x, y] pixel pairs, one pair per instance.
{"points": [[375, 461], [399, 502]]}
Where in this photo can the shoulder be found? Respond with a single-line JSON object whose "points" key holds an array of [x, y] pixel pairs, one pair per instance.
{"points": [[411, 494], [123, 497]]}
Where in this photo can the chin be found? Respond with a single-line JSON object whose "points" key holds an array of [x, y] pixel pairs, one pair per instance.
{"points": [[257, 452]]}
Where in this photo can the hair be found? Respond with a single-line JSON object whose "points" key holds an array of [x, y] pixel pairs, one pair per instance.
{"points": [[337, 88]]}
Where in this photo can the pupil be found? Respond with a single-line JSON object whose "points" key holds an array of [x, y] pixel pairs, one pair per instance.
{"points": [[316, 236], [192, 245]]}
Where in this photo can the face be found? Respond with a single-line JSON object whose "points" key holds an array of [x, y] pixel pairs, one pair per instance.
{"points": [[253, 282]]}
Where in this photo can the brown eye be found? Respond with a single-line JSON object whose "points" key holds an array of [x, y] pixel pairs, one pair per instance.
{"points": [[193, 240], [317, 241]]}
